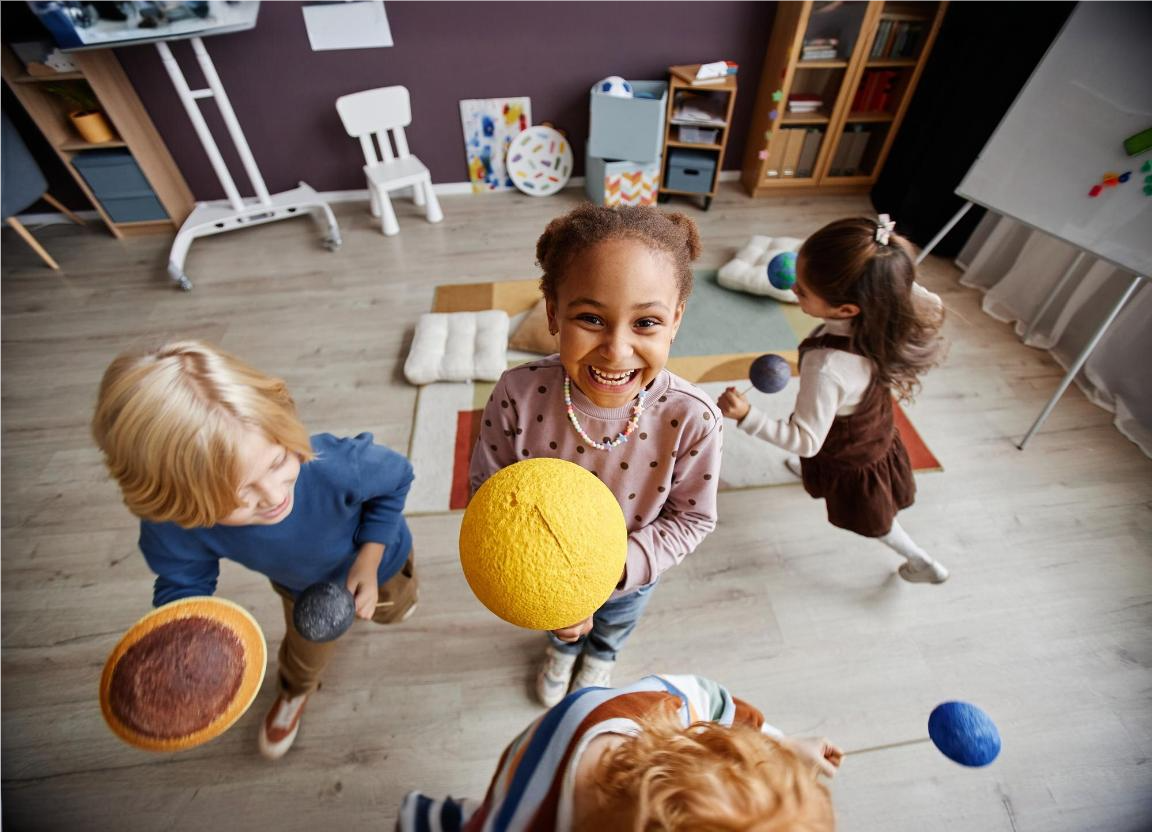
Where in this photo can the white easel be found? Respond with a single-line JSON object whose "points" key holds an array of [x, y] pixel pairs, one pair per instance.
{"points": [[1082, 358], [1092, 83], [240, 212]]}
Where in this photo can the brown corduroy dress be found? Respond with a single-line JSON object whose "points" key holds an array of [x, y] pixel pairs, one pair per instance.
{"points": [[862, 471]]}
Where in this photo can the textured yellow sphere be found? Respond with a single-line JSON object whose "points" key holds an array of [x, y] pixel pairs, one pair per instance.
{"points": [[543, 543]]}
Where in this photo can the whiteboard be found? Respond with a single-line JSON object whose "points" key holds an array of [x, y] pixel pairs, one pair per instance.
{"points": [[1066, 129]]}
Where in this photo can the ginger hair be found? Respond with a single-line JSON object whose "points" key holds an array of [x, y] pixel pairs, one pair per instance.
{"points": [[588, 225], [844, 263], [712, 778], [168, 421]]}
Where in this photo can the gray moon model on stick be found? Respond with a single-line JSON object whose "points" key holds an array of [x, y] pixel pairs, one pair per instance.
{"points": [[769, 373], [324, 611]]}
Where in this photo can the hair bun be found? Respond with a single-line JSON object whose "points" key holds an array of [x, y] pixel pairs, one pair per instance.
{"points": [[691, 234]]}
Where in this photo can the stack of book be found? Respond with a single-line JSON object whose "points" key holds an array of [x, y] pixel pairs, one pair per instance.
{"points": [[875, 90], [897, 39], [805, 102], [819, 49]]}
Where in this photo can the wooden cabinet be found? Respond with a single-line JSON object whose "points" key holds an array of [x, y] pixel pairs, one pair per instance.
{"points": [[134, 130], [696, 128], [836, 82]]}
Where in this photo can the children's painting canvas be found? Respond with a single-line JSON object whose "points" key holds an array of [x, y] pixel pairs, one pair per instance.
{"points": [[490, 125]]}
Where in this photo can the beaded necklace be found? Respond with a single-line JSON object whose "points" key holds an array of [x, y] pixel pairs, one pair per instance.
{"points": [[621, 437]]}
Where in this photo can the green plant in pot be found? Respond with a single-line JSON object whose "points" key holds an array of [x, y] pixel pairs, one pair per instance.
{"points": [[84, 112]]}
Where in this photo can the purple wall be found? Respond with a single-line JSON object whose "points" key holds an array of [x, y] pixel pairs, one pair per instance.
{"points": [[284, 93]]}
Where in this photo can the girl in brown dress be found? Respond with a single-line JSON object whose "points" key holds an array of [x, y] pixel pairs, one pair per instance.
{"points": [[880, 331]]}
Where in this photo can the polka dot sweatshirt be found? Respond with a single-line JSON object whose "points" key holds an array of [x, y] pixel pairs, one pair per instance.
{"points": [[664, 477]]}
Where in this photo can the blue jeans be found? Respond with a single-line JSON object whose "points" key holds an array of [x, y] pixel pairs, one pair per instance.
{"points": [[611, 626]]}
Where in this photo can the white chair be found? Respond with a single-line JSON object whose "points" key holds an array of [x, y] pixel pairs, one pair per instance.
{"points": [[376, 113]]}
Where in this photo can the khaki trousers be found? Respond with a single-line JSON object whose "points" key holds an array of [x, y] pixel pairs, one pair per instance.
{"points": [[302, 661]]}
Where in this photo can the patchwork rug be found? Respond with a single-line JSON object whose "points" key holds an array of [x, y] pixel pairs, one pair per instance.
{"points": [[722, 333]]}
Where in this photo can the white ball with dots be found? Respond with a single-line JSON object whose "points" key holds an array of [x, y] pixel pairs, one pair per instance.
{"points": [[614, 85]]}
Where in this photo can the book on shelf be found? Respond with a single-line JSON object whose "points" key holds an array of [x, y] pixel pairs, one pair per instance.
{"points": [[849, 151], [819, 49], [774, 153], [897, 39], [808, 152], [804, 102], [689, 73], [875, 90], [792, 149]]}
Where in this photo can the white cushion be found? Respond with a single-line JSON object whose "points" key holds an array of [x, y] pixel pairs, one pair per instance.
{"points": [[458, 346], [748, 270]]}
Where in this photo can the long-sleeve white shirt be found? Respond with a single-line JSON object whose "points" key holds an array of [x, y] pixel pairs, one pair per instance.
{"points": [[832, 383]]}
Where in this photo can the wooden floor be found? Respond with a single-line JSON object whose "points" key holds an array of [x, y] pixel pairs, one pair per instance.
{"points": [[1046, 622]]}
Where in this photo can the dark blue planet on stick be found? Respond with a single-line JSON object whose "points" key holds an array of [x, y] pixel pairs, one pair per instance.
{"points": [[769, 373], [782, 270], [324, 611], [964, 733]]}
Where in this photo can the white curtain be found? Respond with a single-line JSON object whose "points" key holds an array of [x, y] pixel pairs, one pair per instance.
{"points": [[1019, 269]]}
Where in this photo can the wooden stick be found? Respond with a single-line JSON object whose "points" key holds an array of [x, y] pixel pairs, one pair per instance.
{"points": [[886, 746]]}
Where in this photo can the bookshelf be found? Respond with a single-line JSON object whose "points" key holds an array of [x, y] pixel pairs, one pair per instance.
{"points": [[134, 130], [696, 128], [836, 82]]}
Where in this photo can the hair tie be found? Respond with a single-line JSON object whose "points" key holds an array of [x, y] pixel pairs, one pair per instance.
{"points": [[884, 229]]}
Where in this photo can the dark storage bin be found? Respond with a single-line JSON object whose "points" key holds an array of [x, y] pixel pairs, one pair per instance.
{"points": [[690, 170], [119, 185]]}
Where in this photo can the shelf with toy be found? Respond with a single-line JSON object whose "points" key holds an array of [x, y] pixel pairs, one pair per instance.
{"points": [[696, 131]]}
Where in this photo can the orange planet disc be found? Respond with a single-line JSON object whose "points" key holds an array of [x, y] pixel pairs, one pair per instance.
{"points": [[183, 674]]}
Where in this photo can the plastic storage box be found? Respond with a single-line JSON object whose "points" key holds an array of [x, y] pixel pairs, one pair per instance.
{"points": [[611, 183], [119, 185], [629, 128], [691, 171]]}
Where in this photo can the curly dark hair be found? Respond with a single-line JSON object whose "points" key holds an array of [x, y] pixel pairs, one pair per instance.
{"points": [[844, 263], [583, 227]]}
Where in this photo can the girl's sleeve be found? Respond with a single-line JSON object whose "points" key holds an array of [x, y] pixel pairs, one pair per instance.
{"points": [[688, 515], [183, 568], [803, 433], [494, 446], [384, 478]]}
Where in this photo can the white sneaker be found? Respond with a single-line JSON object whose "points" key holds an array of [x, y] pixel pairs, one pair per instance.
{"points": [[555, 674], [928, 572], [281, 725], [594, 673]]}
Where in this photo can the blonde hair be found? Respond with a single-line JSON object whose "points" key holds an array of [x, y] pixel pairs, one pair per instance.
{"points": [[168, 421], [712, 778]]}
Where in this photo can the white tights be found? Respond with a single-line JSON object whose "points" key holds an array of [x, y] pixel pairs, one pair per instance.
{"points": [[898, 540]]}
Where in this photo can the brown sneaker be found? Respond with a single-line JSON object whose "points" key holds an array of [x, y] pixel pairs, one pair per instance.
{"points": [[281, 725]]}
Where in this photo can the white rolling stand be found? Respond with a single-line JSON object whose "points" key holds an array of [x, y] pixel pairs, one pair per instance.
{"points": [[213, 218], [240, 212]]}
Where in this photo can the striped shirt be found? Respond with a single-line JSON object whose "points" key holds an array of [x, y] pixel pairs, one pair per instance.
{"points": [[532, 789]]}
